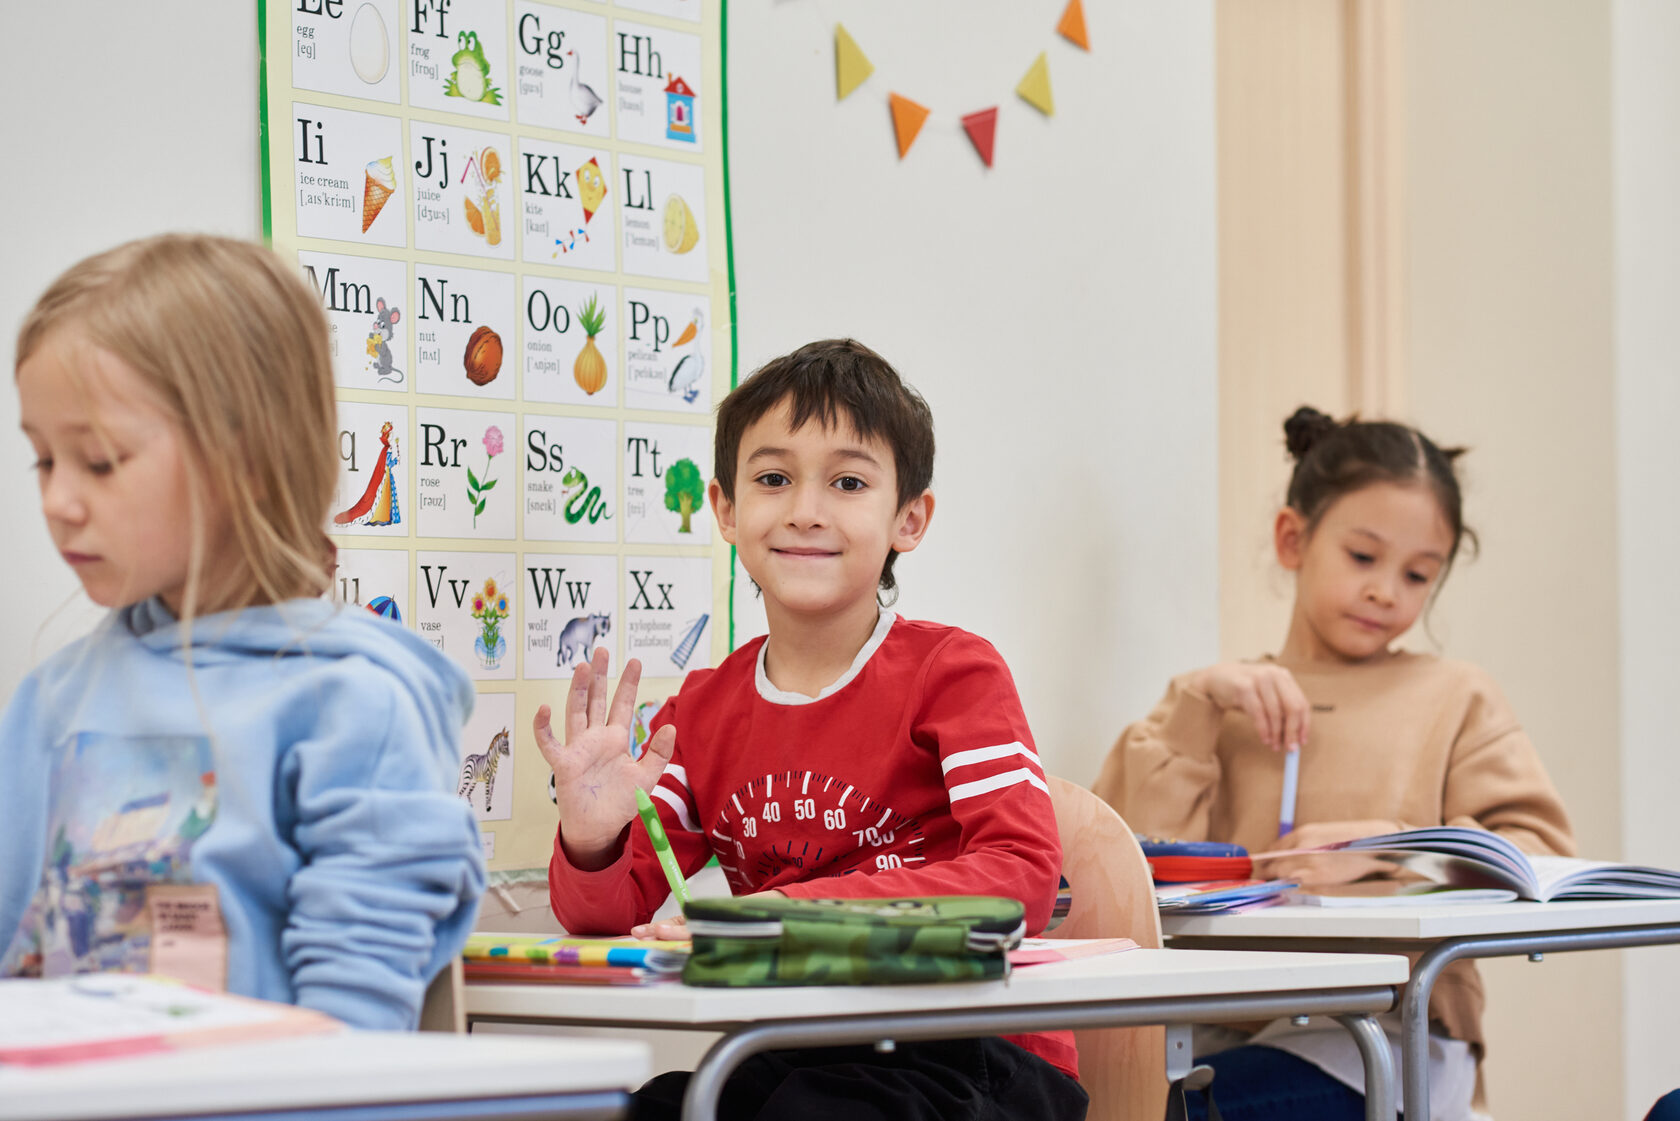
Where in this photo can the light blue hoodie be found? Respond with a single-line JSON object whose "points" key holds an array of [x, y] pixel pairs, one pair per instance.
{"points": [[303, 766]]}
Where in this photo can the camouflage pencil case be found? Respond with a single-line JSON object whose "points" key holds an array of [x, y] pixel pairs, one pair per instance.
{"points": [[757, 942]]}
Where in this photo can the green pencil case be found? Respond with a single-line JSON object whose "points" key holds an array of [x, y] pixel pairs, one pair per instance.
{"points": [[765, 942]]}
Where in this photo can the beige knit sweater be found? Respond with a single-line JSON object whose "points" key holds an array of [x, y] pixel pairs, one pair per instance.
{"points": [[1414, 739]]}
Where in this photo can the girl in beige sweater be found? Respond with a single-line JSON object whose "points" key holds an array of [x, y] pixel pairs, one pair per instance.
{"points": [[1388, 740]]}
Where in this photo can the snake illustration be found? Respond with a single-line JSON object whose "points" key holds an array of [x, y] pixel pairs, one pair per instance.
{"points": [[586, 500]]}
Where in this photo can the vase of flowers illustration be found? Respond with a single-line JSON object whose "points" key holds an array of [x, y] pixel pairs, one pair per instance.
{"points": [[490, 607], [477, 488]]}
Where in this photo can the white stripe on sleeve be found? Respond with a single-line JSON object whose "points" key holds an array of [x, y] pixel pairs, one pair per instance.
{"points": [[987, 754], [996, 782], [678, 806]]}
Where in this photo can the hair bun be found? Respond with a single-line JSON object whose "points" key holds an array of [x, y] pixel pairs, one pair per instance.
{"points": [[1305, 429]]}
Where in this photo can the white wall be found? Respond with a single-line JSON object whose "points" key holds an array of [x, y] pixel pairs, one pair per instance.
{"points": [[1645, 46], [116, 135], [1057, 311]]}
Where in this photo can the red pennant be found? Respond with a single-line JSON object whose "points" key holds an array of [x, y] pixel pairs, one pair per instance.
{"points": [[982, 130]]}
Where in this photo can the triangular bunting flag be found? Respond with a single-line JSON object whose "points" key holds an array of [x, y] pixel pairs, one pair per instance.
{"points": [[982, 130], [1072, 27], [1035, 87], [907, 121], [851, 67]]}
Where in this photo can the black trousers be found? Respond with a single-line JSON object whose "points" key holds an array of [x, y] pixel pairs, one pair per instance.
{"points": [[946, 1080]]}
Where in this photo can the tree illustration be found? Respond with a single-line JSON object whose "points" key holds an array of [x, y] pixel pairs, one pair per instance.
{"points": [[684, 490]]}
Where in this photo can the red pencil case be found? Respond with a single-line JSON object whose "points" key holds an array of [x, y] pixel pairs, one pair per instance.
{"points": [[1180, 862]]}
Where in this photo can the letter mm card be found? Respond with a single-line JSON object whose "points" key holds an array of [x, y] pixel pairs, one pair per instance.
{"points": [[367, 318]]}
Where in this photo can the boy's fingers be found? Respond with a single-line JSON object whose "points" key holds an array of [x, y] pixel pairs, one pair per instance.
{"points": [[655, 755], [577, 703], [624, 697], [543, 729], [598, 687]]}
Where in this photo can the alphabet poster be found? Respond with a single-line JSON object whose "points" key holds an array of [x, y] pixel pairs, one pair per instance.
{"points": [[513, 212]]}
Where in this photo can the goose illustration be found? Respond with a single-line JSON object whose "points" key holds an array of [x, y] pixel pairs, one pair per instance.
{"points": [[691, 367], [584, 100]]}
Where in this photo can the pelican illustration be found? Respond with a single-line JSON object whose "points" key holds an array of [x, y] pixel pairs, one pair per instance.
{"points": [[691, 367]]}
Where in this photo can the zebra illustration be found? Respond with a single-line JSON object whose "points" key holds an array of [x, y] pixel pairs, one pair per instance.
{"points": [[482, 768]]}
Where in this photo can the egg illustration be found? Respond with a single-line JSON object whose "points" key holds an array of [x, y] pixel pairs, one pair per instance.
{"points": [[370, 47]]}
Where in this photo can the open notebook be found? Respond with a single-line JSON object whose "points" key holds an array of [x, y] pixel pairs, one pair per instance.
{"points": [[1478, 858]]}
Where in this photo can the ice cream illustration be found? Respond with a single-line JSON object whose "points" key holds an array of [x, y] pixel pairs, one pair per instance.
{"points": [[381, 184]]}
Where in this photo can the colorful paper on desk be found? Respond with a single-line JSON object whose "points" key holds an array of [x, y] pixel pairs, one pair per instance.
{"points": [[1222, 897], [1387, 893], [560, 952], [1038, 951], [112, 1015]]}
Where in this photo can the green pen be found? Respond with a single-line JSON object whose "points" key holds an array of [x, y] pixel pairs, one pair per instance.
{"points": [[661, 846]]}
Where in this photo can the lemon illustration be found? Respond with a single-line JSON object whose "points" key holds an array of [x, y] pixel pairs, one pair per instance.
{"points": [[682, 232]]}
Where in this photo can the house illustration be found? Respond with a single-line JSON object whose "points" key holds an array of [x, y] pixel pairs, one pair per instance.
{"points": [[679, 110]]}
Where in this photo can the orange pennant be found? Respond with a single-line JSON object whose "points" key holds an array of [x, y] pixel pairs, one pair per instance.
{"points": [[907, 121], [1072, 27]]}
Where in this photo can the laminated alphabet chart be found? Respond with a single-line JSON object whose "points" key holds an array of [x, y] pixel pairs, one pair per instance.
{"points": [[515, 214]]}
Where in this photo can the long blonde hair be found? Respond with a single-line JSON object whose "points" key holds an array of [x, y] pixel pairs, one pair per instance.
{"points": [[234, 346]]}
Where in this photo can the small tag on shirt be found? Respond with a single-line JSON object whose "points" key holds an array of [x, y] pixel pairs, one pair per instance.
{"points": [[189, 939]]}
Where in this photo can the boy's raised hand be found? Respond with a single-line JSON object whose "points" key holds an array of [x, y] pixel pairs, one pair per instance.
{"points": [[595, 779], [1268, 694]]}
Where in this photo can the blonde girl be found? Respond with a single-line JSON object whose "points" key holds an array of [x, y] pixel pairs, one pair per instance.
{"points": [[227, 753], [1388, 739]]}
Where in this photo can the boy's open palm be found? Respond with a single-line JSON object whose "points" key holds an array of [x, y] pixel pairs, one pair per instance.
{"points": [[595, 779]]}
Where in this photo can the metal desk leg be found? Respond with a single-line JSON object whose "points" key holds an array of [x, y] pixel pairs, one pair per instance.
{"points": [[1379, 1065], [1414, 1004]]}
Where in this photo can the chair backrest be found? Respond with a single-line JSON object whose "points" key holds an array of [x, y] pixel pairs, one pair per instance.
{"points": [[1123, 1069], [444, 1007]]}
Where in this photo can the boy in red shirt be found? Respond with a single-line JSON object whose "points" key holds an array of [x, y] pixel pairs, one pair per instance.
{"points": [[849, 753]]}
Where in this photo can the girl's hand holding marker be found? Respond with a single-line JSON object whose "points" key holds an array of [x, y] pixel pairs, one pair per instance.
{"points": [[1267, 693]]}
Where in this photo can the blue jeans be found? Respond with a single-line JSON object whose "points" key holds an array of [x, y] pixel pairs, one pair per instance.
{"points": [[1264, 1084], [1667, 1108]]}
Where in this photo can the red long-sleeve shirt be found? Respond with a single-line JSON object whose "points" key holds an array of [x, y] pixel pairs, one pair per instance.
{"points": [[914, 774]]}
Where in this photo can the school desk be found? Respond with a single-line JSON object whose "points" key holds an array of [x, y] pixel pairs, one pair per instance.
{"points": [[349, 1076], [1442, 933], [1118, 990]]}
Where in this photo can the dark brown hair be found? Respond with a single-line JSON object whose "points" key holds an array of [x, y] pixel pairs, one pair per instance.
{"points": [[1333, 458], [834, 382]]}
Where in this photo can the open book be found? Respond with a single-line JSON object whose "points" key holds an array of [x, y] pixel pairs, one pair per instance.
{"points": [[1478, 858]]}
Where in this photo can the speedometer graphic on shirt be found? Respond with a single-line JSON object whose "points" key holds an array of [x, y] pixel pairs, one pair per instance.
{"points": [[817, 823]]}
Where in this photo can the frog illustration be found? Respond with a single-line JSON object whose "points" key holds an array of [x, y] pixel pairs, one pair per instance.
{"points": [[471, 79]]}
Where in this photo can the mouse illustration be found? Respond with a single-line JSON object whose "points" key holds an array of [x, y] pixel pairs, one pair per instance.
{"points": [[385, 320]]}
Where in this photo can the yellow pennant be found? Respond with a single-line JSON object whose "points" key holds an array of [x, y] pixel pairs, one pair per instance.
{"points": [[1035, 87], [851, 66]]}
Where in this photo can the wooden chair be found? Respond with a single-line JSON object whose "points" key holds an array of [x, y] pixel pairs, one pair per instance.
{"points": [[1123, 1069], [444, 1007]]}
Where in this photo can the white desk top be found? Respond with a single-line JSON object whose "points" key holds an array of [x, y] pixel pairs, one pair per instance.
{"points": [[1141, 974], [342, 1069], [1409, 922]]}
